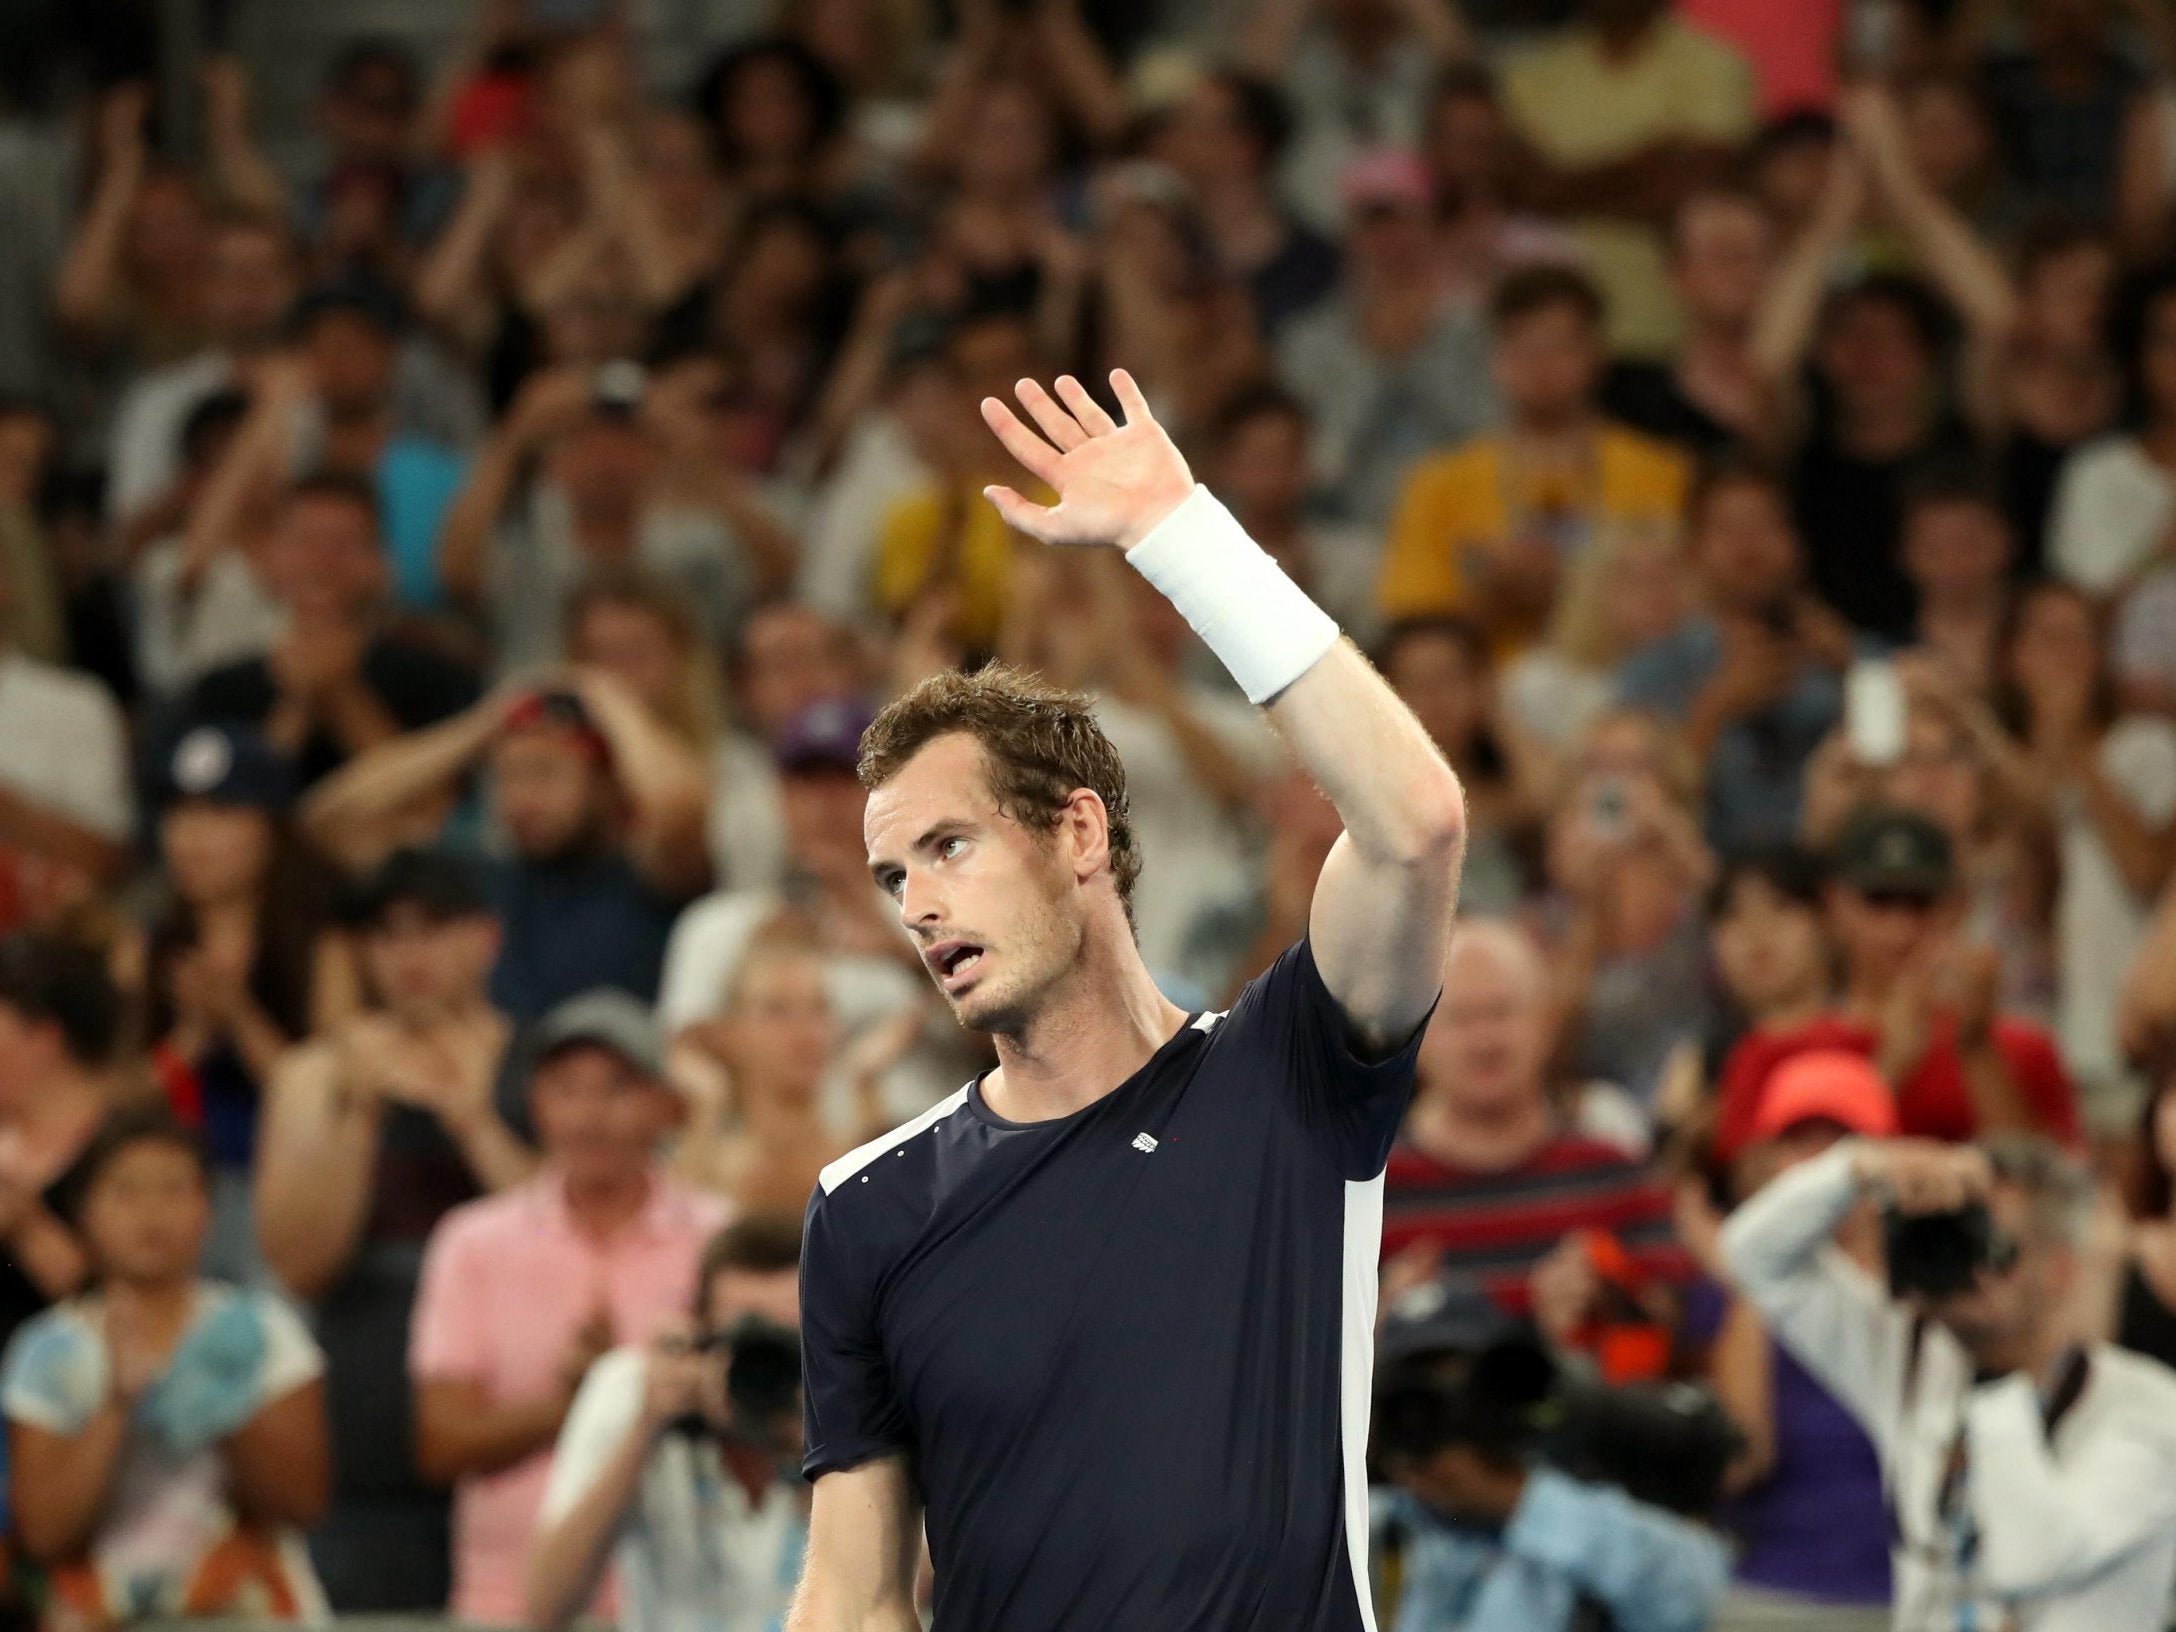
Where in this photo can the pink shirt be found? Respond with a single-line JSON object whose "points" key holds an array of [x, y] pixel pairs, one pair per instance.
{"points": [[507, 1283]]}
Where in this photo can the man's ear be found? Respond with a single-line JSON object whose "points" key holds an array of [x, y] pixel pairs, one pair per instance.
{"points": [[1083, 833]]}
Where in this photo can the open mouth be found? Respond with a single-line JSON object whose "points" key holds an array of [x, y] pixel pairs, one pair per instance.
{"points": [[953, 963]]}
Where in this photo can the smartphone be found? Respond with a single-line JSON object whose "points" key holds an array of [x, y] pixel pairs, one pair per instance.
{"points": [[1874, 711]]}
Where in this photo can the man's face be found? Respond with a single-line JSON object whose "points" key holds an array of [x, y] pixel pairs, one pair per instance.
{"points": [[1770, 947], [323, 558], [1880, 931], [550, 792], [597, 1116], [214, 852], [1548, 363], [1956, 546], [1873, 353], [1488, 1044], [1725, 250], [368, 117], [422, 966], [250, 287], [1262, 466], [823, 807], [1436, 677], [147, 1213], [732, 1296], [794, 658], [1998, 1318], [996, 911], [1208, 142], [351, 358], [605, 463], [1744, 547]]}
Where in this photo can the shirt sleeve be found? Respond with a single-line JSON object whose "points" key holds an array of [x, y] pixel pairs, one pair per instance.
{"points": [[1350, 1105], [851, 1413], [1420, 568], [54, 1376], [448, 1336], [291, 1355], [604, 1412]]}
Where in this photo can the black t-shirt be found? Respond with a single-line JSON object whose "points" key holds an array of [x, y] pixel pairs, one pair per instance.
{"points": [[417, 684], [1126, 1352], [1646, 396]]}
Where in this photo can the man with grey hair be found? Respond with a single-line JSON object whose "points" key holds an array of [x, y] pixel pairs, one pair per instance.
{"points": [[2031, 1468]]}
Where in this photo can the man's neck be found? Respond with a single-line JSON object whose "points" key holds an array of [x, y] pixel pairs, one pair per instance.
{"points": [[1488, 1138], [601, 1208], [1103, 1022]]}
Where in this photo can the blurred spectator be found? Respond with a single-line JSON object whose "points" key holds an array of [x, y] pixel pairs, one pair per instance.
{"points": [[1391, 367], [1809, 1511], [2145, 1316], [523, 1291], [375, 1129], [30, 577], [1628, 870], [1984, 1496], [1916, 995], [2106, 784], [1485, 227], [1959, 553], [1441, 669], [2115, 503], [589, 468], [337, 683], [1257, 458], [775, 112], [602, 812], [1629, 110], [1488, 528], [2060, 385], [661, 1472], [243, 959], [1770, 943], [1493, 1181], [1476, 1533], [65, 803], [872, 968], [1858, 378], [760, 1130], [251, 279], [60, 1028], [166, 1433], [2061, 97], [377, 198], [1709, 395], [1226, 138], [1755, 681]]}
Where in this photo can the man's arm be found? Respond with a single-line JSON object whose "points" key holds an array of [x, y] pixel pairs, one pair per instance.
{"points": [[379, 784], [1382, 908], [316, 1158], [462, 1434], [864, 1541]]}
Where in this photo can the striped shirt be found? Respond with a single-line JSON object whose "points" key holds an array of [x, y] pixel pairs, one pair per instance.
{"points": [[1494, 1228]]}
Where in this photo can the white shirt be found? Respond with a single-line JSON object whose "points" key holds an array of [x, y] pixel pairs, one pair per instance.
{"points": [[2076, 1529], [2112, 506], [2099, 919], [180, 637], [144, 454], [693, 1554], [746, 826], [63, 745]]}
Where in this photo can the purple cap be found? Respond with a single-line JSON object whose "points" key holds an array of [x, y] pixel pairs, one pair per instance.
{"points": [[824, 736]]}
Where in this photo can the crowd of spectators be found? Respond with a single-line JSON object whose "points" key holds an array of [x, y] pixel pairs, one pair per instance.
{"points": [[443, 584]]}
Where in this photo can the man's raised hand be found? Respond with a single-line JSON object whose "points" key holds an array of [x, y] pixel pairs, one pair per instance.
{"points": [[1114, 482]]}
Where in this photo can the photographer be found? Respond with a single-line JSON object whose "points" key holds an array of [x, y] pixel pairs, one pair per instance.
{"points": [[1525, 1500], [679, 1462], [2031, 1471]]}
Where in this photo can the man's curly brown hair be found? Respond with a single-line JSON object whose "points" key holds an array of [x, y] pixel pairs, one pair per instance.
{"points": [[1039, 742]]}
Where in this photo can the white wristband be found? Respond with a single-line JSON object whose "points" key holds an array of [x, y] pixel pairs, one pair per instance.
{"points": [[1260, 624]]}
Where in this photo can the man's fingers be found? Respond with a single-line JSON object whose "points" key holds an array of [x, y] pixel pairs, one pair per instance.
{"points": [[1085, 408], [1037, 457], [1130, 401], [1018, 513], [1056, 423]]}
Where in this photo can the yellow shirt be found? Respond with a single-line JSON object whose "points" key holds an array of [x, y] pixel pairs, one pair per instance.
{"points": [[949, 535], [1581, 109], [1470, 499]]}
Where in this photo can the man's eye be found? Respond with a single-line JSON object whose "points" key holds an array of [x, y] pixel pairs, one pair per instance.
{"points": [[892, 883], [951, 848]]}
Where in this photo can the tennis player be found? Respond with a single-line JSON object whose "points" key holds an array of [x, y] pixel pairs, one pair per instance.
{"points": [[1102, 1319]]}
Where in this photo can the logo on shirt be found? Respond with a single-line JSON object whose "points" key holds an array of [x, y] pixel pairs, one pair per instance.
{"points": [[1144, 1142]]}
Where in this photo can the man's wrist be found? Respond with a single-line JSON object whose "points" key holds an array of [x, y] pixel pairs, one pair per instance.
{"points": [[1155, 512]]}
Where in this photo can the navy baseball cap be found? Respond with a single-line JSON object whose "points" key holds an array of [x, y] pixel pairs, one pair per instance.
{"points": [[824, 736], [223, 764], [1449, 1315]]}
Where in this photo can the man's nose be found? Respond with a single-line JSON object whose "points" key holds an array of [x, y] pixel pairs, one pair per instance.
{"points": [[918, 903]]}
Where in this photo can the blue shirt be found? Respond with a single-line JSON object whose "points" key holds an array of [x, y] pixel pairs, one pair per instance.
{"points": [[570, 927], [1567, 1545], [417, 483], [1755, 770], [1126, 1352]]}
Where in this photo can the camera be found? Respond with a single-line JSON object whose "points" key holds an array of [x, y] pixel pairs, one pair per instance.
{"points": [[1937, 1255], [1665, 1444], [762, 1382]]}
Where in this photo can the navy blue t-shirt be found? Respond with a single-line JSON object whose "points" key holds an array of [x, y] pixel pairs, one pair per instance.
{"points": [[1126, 1352]]}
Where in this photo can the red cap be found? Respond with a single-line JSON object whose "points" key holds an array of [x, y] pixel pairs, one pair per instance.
{"points": [[1825, 1085]]}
